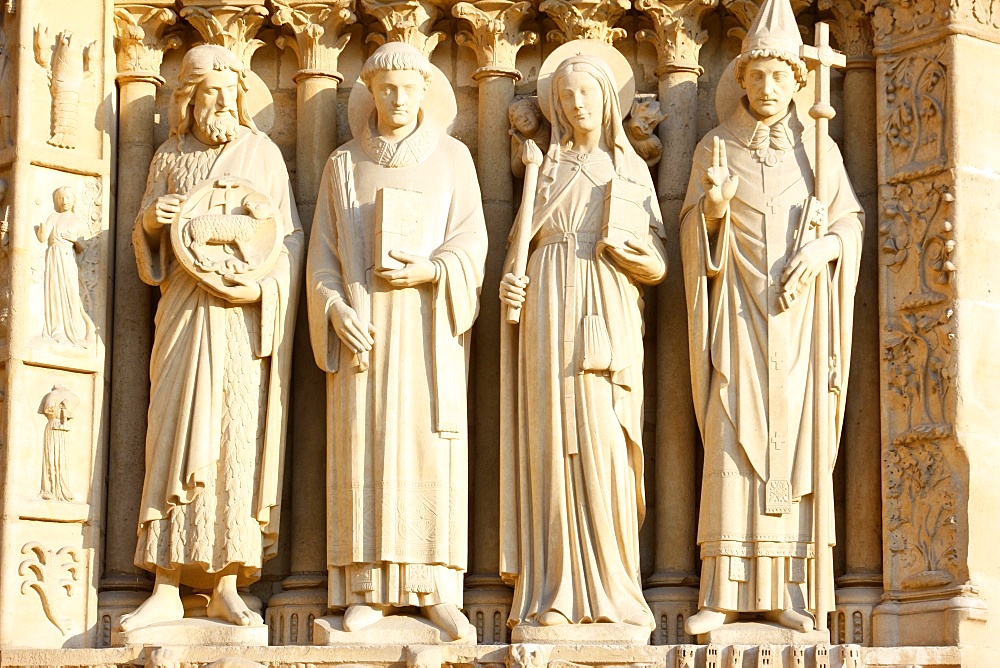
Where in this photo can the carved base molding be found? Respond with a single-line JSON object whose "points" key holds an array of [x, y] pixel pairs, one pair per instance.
{"points": [[290, 615], [488, 610], [952, 618], [851, 622], [671, 607], [491, 656]]}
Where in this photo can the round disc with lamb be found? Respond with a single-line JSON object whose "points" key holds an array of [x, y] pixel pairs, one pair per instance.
{"points": [[226, 233]]}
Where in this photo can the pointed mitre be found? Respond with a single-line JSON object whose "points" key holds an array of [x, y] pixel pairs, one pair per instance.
{"points": [[774, 29]]}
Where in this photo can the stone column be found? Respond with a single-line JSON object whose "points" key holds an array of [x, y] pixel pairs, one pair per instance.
{"points": [[860, 587], [672, 590], [938, 164], [496, 37], [317, 36], [140, 43]]}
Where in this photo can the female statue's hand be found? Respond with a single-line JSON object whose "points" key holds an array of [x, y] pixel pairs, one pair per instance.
{"points": [[513, 290], [530, 153], [637, 260], [350, 329], [719, 183]]}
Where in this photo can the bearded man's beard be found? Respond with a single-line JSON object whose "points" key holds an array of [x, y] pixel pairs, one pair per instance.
{"points": [[221, 127]]}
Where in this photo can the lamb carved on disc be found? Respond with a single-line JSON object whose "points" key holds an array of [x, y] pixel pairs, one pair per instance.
{"points": [[231, 231]]}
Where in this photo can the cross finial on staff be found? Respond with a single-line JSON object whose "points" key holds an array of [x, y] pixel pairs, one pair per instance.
{"points": [[821, 58]]}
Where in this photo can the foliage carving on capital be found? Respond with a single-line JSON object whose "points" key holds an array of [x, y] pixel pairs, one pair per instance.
{"points": [[140, 41], [852, 27], [744, 12], [893, 19], [318, 36], [496, 34], [677, 32], [409, 21], [234, 27], [585, 19]]}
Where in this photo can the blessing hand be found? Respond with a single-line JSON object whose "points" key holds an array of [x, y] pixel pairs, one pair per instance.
{"points": [[719, 183]]}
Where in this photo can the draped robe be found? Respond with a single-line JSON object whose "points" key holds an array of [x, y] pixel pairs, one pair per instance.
{"points": [[219, 380], [572, 494], [757, 377], [397, 429]]}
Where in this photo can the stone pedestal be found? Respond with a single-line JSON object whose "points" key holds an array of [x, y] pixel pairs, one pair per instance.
{"points": [[393, 630], [193, 632], [762, 633], [581, 634]]}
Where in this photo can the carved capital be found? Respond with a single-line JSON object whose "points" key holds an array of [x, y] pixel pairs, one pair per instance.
{"points": [[744, 12], [677, 33], [901, 20], [409, 21], [233, 26], [496, 34], [318, 36], [140, 42], [585, 19], [852, 28]]}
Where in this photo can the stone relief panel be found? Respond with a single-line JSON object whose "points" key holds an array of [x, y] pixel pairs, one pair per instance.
{"points": [[68, 246], [67, 62], [59, 407], [53, 571], [922, 463], [913, 114]]}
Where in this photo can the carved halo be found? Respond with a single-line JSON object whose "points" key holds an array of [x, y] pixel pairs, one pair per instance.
{"points": [[439, 105], [609, 55], [729, 93]]}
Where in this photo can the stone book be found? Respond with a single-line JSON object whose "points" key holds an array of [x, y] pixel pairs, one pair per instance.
{"points": [[398, 226], [625, 216]]}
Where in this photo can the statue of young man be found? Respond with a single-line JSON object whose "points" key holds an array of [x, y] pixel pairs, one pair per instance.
{"points": [[395, 267], [219, 370], [770, 304]]}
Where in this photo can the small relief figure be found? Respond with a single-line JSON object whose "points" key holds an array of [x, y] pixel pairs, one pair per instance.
{"points": [[63, 233], [571, 449], [526, 122], [67, 66], [58, 406], [6, 95], [641, 130]]}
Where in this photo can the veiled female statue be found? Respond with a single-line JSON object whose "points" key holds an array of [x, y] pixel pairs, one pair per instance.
{"points": [[571, 456]]}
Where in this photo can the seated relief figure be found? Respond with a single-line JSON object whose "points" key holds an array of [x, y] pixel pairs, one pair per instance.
{"points": [[395, 267], [572, 495], [770, 274], [219, 370]]}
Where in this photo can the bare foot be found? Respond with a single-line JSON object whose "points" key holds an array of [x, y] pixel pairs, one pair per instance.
{"points": [[704, 620], [552, 618], [448, 618], [797, 620], [359, 615], [164, 605], [227, 605]]}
